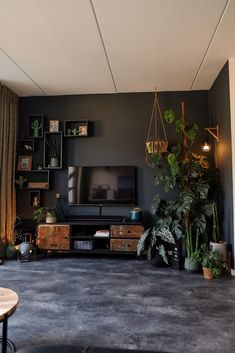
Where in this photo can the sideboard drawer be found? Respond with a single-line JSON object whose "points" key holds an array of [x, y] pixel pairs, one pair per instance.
{"points": [[53, 237], [126, 231], [123, 245]]}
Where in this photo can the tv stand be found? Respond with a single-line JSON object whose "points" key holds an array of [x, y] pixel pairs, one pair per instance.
{"points": [[94, 235]]}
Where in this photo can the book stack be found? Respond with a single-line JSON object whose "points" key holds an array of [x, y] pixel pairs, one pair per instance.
{"points": [[102, 233]]}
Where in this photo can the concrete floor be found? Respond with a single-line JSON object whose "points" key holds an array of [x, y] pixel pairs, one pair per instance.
{"points": [[120, 303]]}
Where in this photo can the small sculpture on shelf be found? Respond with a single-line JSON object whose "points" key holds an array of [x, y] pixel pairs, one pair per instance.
{"points": [[36, 126]]}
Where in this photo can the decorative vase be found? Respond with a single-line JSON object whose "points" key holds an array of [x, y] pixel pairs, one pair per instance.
{"points": [[135, 216], [221, 248], [207, 273], [54, 162], [191, 266]]}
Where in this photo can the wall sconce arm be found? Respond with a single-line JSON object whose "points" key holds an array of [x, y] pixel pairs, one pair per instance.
{"points": [[214, 131]]}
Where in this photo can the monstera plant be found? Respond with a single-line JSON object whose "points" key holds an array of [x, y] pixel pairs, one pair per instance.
{"points": [[188, 175]]}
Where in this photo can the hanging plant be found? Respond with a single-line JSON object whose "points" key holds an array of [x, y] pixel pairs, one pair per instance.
{"points": [[154, 143]]}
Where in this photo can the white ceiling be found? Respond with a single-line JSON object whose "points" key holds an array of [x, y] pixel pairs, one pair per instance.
{"points": [[57, 47]]}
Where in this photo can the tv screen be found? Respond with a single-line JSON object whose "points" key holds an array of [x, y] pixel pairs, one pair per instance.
{"points": [[112, 185]]}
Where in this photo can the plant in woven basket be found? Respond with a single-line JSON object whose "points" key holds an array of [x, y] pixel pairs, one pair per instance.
{"points": [[155, 144]]}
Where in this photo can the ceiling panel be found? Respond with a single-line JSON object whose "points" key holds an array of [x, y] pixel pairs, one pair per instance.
{"points": [[14, 78], [54, 47], [221, 49], [156, 42], [57, 44]]}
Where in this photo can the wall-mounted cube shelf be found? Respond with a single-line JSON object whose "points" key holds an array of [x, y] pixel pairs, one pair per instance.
{"points": [[33, 179], [76, 128], [26, 145]]}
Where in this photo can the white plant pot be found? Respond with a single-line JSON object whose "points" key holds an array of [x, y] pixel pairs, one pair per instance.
{"points": [[51, 219], [221, 248], [54, 162]]}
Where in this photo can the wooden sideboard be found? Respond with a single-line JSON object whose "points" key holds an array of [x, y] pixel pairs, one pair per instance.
{"points": [[90, 236]]}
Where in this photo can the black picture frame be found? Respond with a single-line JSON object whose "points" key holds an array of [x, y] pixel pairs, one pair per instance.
{"points": [[34, 198]]}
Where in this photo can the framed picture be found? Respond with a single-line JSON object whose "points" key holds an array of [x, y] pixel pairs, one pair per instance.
{"points": [[54, 125], [34, 198], [82, 130], [24, 163]]}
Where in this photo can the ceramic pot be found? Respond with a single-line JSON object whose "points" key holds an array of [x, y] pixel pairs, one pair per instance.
{"points": [[11, 252], [54, 162], [221, 248], [207, 273], [50, 218], [190, 266], [135, 216]]}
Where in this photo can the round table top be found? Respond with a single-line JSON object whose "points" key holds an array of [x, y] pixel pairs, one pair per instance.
{"points": [[8, 302]]}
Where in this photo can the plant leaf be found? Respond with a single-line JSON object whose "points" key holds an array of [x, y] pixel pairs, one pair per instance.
{"points": [[162, 253], [169, 116]]}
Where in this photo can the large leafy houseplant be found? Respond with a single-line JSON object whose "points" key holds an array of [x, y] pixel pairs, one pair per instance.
{"points": [[187, 174]]}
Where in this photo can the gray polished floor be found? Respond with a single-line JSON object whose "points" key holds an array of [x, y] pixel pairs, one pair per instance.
{"points": [[120, 303]]}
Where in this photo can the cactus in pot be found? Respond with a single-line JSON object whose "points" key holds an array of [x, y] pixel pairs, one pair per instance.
{"points": [[21, 181], [36, 126]]}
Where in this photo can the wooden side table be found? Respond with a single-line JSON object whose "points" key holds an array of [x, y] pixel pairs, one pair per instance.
{"points": [[8, 303]]}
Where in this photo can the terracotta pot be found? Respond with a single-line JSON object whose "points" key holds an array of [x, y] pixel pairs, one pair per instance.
{"points": [[207, 273]]}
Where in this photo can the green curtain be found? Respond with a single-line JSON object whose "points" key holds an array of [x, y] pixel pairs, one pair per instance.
{"points": [[8, 137]]}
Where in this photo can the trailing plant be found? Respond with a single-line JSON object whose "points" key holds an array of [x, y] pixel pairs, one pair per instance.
{"points": [[188, 174]]}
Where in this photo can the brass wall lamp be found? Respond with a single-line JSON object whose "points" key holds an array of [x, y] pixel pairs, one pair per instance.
{"points": [[213, 131]]}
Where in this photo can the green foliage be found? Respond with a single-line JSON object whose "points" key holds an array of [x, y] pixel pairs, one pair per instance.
{"points": [[40, 213], [169, 116], [154, 239], [189, 175], [191, 131], [209, 259]]}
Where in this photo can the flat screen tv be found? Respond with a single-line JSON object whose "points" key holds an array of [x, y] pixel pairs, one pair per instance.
{"points": [[110, 185]]}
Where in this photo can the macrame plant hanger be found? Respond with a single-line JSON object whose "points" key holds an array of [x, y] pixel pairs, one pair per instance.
{"points": [[154, 144]]}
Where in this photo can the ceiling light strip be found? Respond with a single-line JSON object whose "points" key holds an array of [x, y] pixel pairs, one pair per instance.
{"points": [[209, 45], [23, 72], [105, 51]]}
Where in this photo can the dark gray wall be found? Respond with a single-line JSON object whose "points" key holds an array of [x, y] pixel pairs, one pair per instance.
{"points": [[220, 114], [120, 129]]}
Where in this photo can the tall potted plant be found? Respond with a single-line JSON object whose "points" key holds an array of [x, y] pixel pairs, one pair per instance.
{"points": [[53, 152], [187, 173]]}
